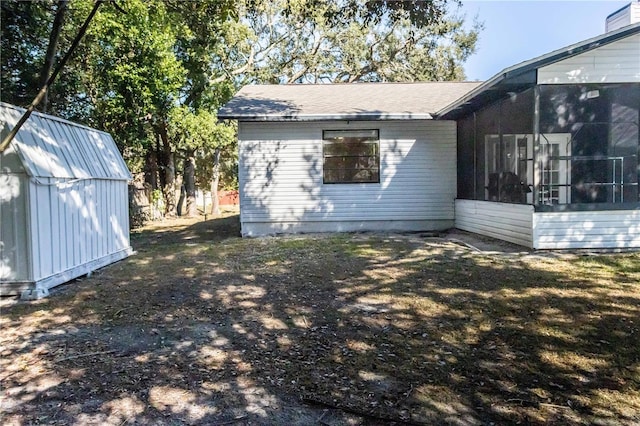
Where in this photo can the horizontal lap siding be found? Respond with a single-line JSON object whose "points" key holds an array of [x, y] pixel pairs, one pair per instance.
{"points": [[509, 222], [573, 230], [628, 15], [617, 62], [281, 174]]}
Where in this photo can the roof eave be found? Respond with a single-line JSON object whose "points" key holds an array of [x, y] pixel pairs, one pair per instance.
{"points": [[540, 61], [370, 116]]}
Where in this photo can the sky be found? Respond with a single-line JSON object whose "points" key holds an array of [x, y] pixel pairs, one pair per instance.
{"points": [[516, 31]]}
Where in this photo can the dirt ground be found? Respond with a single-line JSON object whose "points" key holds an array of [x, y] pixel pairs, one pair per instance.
{"points": [[203, 327]]}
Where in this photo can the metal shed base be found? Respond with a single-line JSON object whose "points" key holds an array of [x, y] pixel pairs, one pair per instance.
{"points": [[31, 290]]}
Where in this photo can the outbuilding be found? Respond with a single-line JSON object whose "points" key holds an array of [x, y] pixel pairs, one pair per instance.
{"points": [[63, 203]]}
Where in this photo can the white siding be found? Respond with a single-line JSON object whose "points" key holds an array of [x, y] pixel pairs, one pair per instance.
{"points": [[574, 230], [628, 15], [14, 247], [617, 62], [281, 188], [508, 222]]}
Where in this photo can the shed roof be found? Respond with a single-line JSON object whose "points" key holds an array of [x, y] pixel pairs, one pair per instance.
{"points": [[358, 101], [524, 75], [50, 147]]}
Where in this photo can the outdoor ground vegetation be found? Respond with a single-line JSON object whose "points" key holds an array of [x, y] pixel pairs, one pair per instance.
{"points": [[201, 326]]}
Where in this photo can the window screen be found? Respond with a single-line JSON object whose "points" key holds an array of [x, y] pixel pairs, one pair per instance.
{"points": [[351, 156]]}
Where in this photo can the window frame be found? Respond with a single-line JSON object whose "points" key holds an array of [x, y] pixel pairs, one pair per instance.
{"points": [[372, 140]]}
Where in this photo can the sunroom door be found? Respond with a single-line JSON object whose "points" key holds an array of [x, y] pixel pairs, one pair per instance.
{"points": [[554, 169], [509, 168]]}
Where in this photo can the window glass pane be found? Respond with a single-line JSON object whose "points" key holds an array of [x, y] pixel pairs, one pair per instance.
{"points": [[351, 156], [350, 148]]}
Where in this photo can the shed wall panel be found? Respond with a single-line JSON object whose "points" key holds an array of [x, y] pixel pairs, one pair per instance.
{"points": [[574, 230], [280, 175], [508, 222], [14, 238], [616, 62], [76, 222]]}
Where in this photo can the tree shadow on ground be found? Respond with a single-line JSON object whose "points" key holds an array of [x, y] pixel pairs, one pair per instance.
{"points": [[397, 328], [195, 231]]}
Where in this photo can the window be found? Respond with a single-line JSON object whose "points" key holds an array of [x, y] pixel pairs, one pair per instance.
{"points": [[351, 156]]}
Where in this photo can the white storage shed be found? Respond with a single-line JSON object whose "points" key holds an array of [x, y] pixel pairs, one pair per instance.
{"points": [[63, 203]]}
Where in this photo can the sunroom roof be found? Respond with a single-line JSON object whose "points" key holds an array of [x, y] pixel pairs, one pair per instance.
{"points": [[523, 75]]}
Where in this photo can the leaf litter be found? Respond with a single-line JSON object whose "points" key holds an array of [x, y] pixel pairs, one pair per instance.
{"points": [[203, 327]]}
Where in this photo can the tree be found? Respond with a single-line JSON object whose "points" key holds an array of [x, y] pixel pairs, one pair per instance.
{"points": [[25, 27], [151, 72], [34, 35], [134, 79], [346, 41], [200, 140], [52, 47]]}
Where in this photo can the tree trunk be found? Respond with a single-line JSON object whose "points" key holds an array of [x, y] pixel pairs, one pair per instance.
{"points": [[151, 169], [183, 193], [190, 185], [52, 49], [168, 172], [215, 205]]}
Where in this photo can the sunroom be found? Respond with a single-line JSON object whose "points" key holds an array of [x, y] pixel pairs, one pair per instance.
{"points": [[548, 150]]}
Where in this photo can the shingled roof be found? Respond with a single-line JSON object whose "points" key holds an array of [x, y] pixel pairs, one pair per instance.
{"points": [[358, 101]]}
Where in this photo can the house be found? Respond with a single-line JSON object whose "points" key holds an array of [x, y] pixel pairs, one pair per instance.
{"points": [[63, 203], [548, 149], [321, 158], [544, 154]]}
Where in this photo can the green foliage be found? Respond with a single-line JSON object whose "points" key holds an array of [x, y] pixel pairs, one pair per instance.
{"points": [[24, 26], [199, 135], [151, 72], [133, 74], [307, 41], [156, 196]]}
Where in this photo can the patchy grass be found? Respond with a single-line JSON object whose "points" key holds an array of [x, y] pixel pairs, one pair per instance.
{"points": [[203, 327]]}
